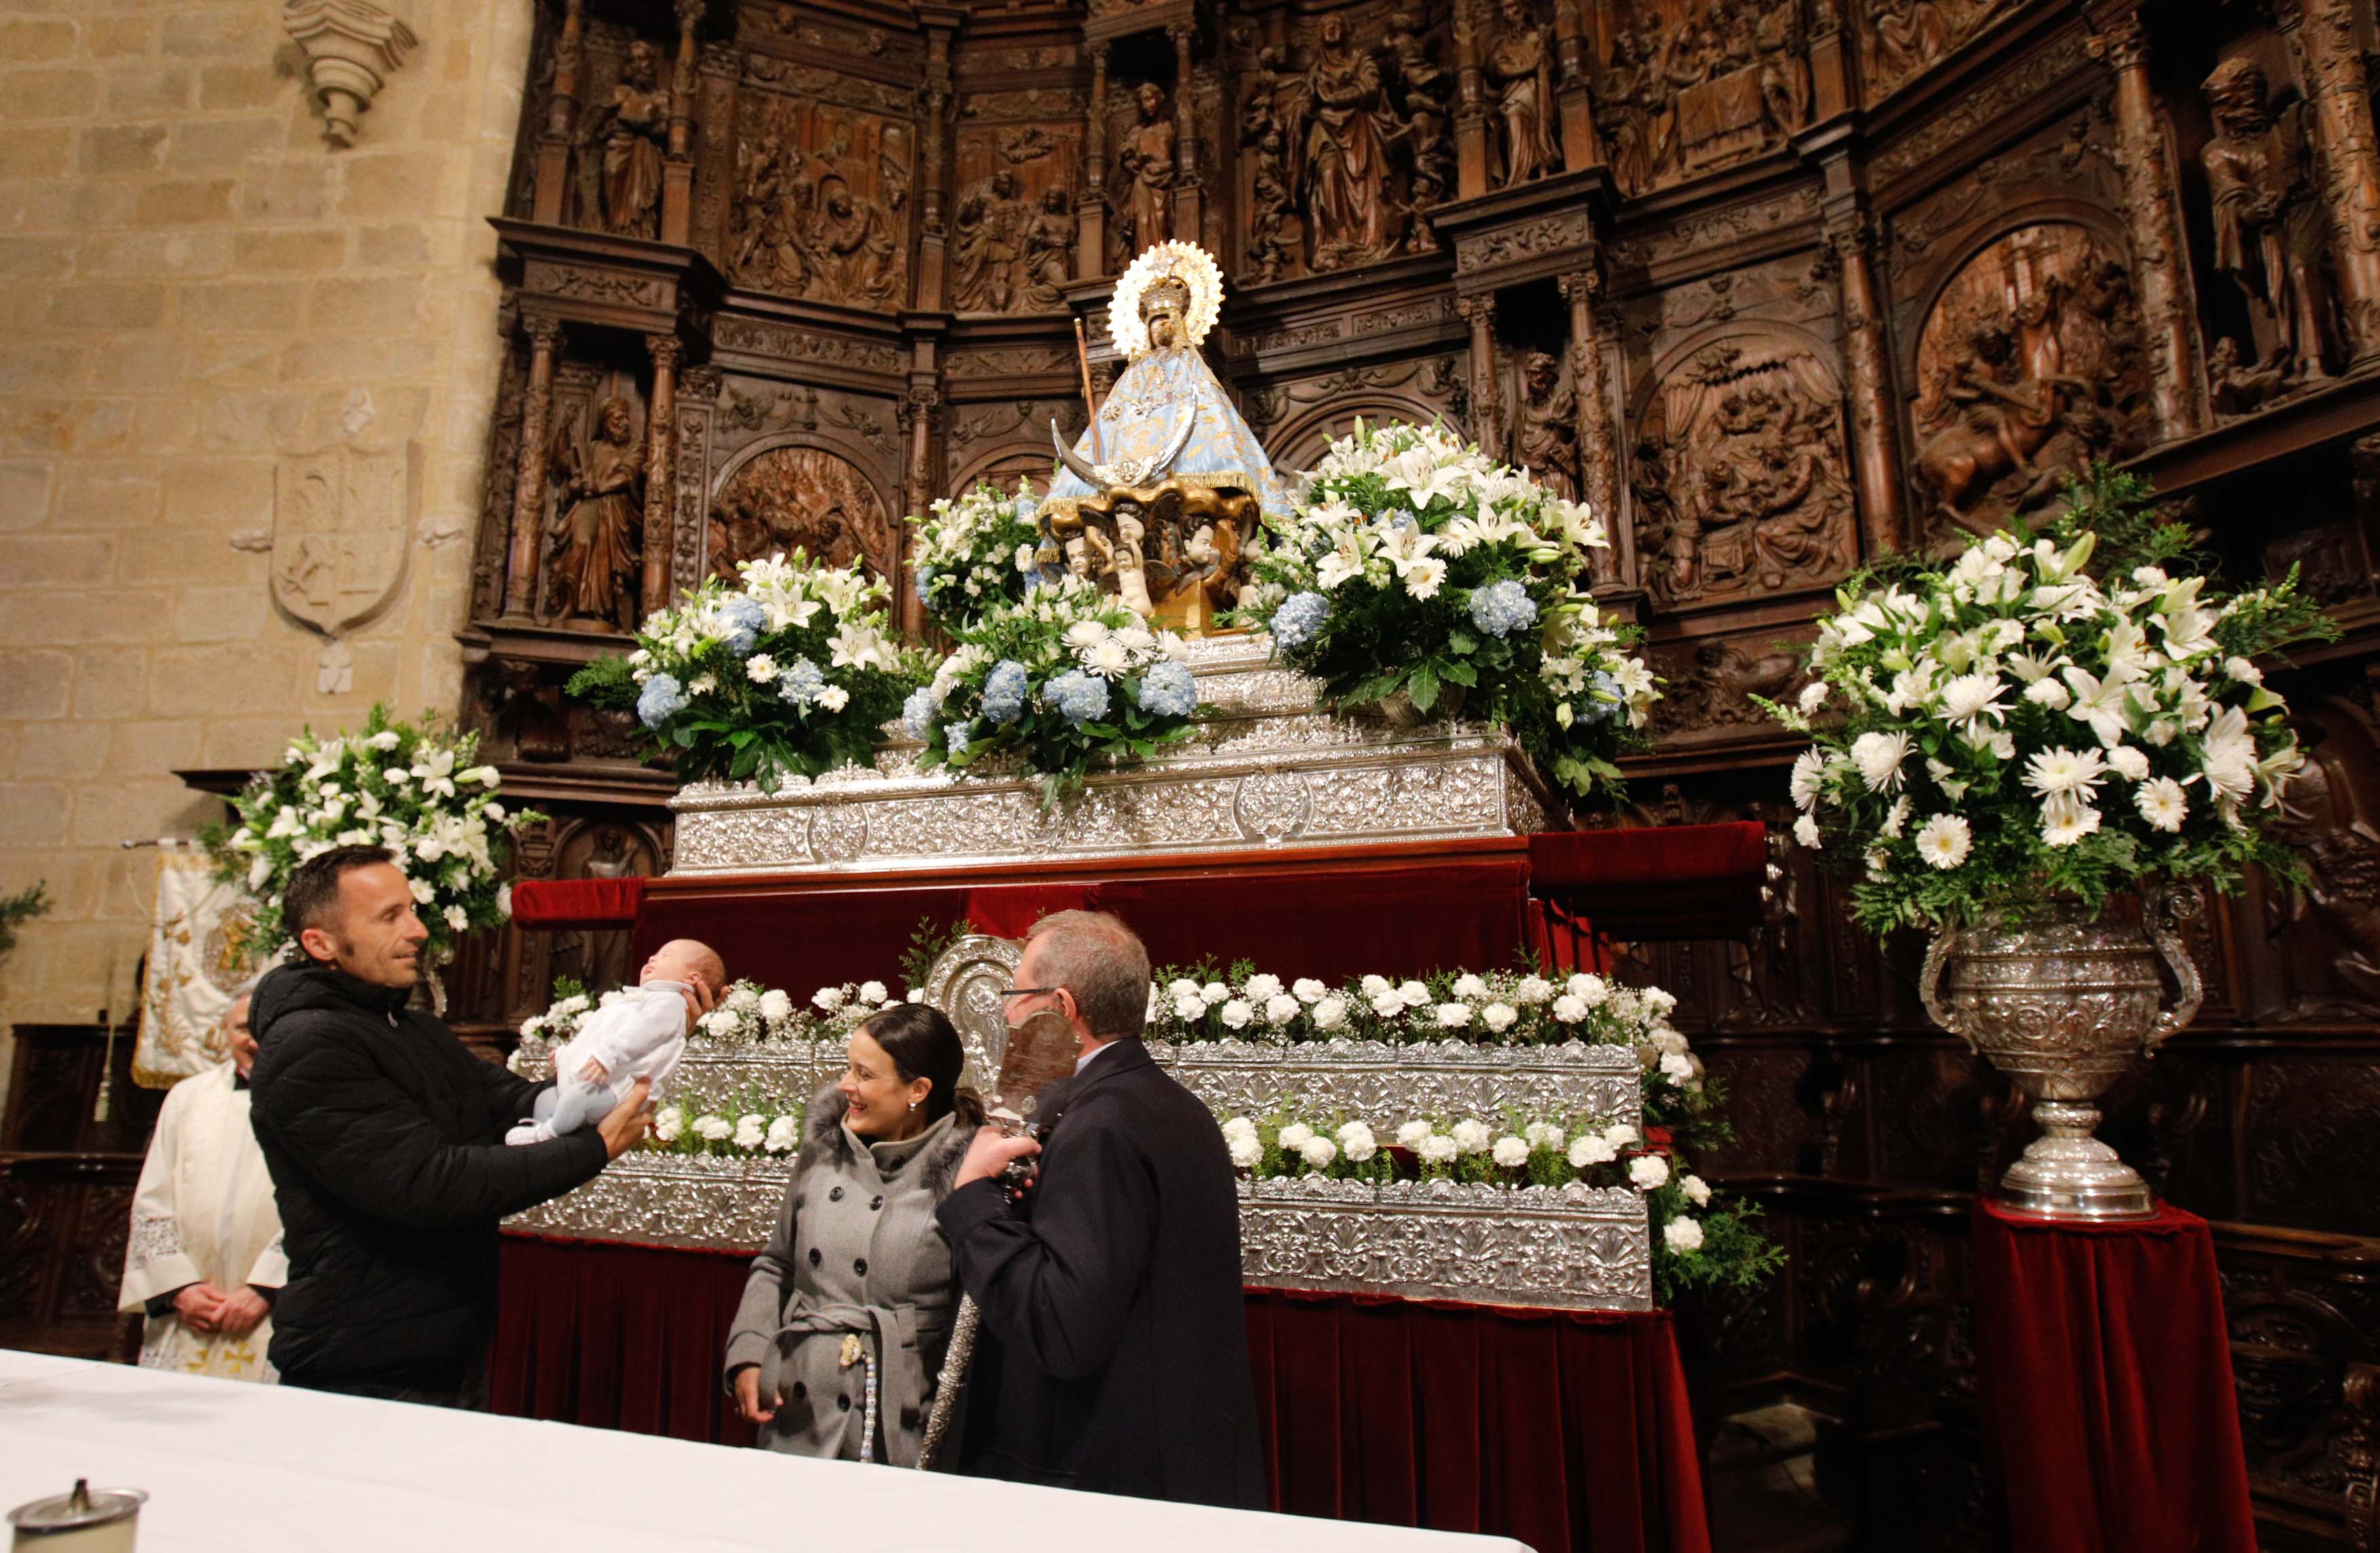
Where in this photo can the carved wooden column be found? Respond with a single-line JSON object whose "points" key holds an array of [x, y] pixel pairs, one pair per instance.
{"points": [[1876, 451], [2154, 226], [677, 168], [1091, 231], [1581, 148], [1470, 107], [2321, 35], [934, 159], [660, 468], [528, 486], [1189, 193], [1486, 398], [919, 421], [560, 117], [1598, 435], [1832, 57]]}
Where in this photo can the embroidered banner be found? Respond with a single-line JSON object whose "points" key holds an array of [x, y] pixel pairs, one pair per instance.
{"points": [[198, 957]]}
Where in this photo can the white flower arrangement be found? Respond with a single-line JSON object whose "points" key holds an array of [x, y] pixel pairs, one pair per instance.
{"points": [[745, 1125], [1063, 678], [789, 672], [416, 790], [1416, 566], [974, 553], [2028, 721]]}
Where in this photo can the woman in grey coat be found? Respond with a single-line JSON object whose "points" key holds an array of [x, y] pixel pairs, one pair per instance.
{"points": [[845, 1316]]}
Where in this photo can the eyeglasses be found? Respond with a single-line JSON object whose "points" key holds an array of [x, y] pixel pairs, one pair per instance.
{"points": [[1029, 991]]}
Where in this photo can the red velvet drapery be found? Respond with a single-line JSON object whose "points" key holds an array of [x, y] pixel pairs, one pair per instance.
{"points": [[1569, 1432], [2105, 1372]]}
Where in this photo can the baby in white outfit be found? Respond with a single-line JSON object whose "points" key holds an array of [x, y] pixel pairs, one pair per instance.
{"points": [[640, 1034]]}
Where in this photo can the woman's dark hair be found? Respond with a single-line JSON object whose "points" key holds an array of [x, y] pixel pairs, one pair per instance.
{"points": [[924, 1044]]}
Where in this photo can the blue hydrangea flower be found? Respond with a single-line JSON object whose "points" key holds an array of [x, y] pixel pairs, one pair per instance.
{"points": [[1169, 690], [1602, 699], [1300, 615], [1004, 691], [661, 698], [957, 735], [917, 712], [925, 583], [801, 684], [1396, 518], [1080, 696], [746, 620], [1502, 608]]}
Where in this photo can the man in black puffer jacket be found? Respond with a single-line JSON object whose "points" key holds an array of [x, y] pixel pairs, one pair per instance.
{"points": [[383, 1136]]}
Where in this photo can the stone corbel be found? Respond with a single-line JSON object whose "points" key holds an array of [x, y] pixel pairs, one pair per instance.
{"points": [[351, 48]]}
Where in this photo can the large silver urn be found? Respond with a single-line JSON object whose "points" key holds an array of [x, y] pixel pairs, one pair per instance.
{"points": [[2062, 1005]]}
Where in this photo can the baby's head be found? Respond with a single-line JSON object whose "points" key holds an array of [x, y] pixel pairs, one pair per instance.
{"points": [[687, 960]]}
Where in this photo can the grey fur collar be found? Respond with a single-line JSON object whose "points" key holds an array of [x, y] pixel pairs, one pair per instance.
{"points": [[824, 1139]]}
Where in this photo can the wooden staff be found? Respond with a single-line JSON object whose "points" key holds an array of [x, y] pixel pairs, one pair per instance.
{"points": [[1090, 405]]}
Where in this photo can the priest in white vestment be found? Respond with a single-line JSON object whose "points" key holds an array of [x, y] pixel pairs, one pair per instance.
{"points": [[204, 1262]]}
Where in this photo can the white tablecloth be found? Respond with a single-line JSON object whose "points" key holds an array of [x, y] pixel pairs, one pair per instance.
{"points": [[256, 1469]]}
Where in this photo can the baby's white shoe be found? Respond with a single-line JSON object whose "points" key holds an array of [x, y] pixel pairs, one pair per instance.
{"points": [[529, 1132]]}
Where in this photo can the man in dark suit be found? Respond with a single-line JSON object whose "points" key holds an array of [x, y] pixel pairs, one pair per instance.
{"points": [[1114, 1352], [384, 1138]]}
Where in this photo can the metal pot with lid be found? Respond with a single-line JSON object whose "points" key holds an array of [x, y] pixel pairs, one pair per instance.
{"points": [[81, 1521]]}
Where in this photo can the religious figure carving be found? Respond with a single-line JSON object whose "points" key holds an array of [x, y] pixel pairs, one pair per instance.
{"points": [[1520, 71], [1267, 120], [859, 262], [1050, 250], [632, 131], [2029, 367], [2330, 823], [1346, 159], [787, 497], [1904, 37], [598, 525], [1545, 424], [2270, 228], [1689, 86], [821, 224], [988, 242], [1425, 91], [1146, 215], [1742, 477], [1166, 486]]}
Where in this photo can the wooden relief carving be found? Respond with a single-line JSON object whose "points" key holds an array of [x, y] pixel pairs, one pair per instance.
{"points": [[1545, 423], [2272, 242], [1741, 474], [2329, 928], [1683, 87], [822, 202], [1345, 142], [1518, 62], [786, 496], [1013, 240], [595, 538], [1905, 38], [2028, 366]]}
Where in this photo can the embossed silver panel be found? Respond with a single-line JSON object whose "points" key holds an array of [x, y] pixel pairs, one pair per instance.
{"points": [[1268, 769], [665, 1199], [1384, 1083], [1558, 1247]]}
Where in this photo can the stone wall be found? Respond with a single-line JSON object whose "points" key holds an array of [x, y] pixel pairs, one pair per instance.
{"points": [[194, 288]]}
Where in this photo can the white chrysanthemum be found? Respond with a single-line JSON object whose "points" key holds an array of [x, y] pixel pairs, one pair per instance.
{"points": [[1587, 1148], [1944, 840], [1245, 1151], [1317, 1151], [1877, 758], [1331, 1013], [1682, 1235], [1355, 1140], [1436, 1148], [2052, 771], [1281, 1008], [1809, 770], [1696, 1189], [1472, 1136], [1453, 1016], [1647, 1171], [1262, 989], [1294, 1136], [1412, 1133], [1511, 1152], [2162, 803], [1237, 1012]]}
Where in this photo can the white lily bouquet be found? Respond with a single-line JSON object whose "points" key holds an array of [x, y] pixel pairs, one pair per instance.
{"points": [[1064, 679], [790, 672], [415, 789], [974, 553], [2044, 716], [1416, 570]]}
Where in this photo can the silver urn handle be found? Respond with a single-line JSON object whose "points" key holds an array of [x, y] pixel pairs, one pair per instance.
{"points": [[2163, 911], [1929, 985]]}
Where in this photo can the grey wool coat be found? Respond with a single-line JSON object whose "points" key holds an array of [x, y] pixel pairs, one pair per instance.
{"points": [[857, 1253]]}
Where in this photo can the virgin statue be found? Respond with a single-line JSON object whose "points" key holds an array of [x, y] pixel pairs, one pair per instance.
{"points": [[596, 521], [1168, 483]]}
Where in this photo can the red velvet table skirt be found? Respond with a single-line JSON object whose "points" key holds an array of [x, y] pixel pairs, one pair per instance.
{"points": [[1569, 1432], [2105, 1372], [1319, 920]]}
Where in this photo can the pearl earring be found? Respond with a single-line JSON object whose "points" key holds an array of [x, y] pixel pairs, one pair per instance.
{"points": [[913, 1105]]}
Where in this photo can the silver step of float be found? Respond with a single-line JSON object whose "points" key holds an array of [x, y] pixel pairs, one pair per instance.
{"points": [[1267, 767]]}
